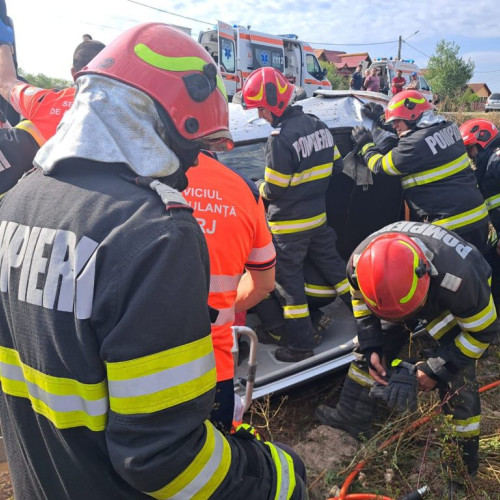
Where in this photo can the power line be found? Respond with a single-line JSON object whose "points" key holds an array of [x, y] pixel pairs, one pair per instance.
{"points": [[414, 48], [351, 44], [171, 13]]}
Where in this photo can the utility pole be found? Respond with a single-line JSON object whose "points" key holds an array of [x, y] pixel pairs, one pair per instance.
{"points": [[399, 47]]}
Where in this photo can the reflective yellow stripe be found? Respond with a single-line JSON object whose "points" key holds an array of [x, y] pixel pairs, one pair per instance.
{"points": [[29, 127], [160, 61], [342, 287], [464, 218], [413, 287], [285, 472], [262, 189], [336, 153], [293, 312], [360, 309], [204, 474], [399, 103], [367, 146], [277, 178], [467, 428], [441, 325], [65, 402], [493, 202], [162, 380], [319, 291], [296, 226], [470, 346], [359, 376], [388, 165], [312, 174], [481, 320], [436, 174]]}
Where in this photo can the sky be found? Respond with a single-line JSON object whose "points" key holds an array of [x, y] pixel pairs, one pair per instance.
{"points": [[48, 31]]}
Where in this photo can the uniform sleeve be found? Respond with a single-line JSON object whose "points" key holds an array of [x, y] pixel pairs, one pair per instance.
{"points": [[263, 255], [279, 168], [400, 160], [26, 99], [473, 310], [157, 349]]}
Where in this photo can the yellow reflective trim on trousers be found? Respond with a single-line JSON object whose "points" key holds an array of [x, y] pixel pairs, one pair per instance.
{"points": [[276, 178], [359, 376], [470, 346], [481, 320], [436, 174], [65, 402], [297, 226], [160, 61], [441, 325], [493, 202], [312, 174], [342, 287], [467, 428], [204, 474], [464, 218], [297, 311], [162, 380], [285, 472], [319, 291]]}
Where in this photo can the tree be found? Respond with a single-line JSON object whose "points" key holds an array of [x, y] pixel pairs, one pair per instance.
{"points": [[337, 79], [43, 81], [447, 72]]}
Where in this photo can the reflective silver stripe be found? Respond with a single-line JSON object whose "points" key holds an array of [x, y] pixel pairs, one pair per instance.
{"points": [[206, 473], [225, 316], [262, 254], [164, 379], [284, 486], [473, 325], [360, 376], [53, 401], [445, 324], [493, 202], [4, 163], [468, 348], [220, 283], [317, 291], [473, 426], [342, 287], [289, 226], [360, 308]]}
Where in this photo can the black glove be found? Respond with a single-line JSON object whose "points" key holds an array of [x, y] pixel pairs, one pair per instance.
{"points": [[361, 136], [373, 111], [402, 389]]}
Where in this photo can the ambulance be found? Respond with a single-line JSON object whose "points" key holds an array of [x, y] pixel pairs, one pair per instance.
{"points": [[388, 68], [239, 50]]}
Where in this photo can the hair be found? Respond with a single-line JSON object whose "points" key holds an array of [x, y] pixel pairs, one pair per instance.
{"points": [[86, 35], [85, 52]]}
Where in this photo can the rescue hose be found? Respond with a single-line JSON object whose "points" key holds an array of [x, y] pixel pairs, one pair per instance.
{"points": [[359, 466]]}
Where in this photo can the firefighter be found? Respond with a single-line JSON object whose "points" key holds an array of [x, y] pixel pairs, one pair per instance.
{"points": [[401, 274], [108, 372], [430, 157], [300, 157], [18, 147]]}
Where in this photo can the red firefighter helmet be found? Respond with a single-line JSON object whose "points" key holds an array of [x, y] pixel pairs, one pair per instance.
{"points": [[393, 275], [406, 105], [175, 71], [267, 88], [478, 132]]}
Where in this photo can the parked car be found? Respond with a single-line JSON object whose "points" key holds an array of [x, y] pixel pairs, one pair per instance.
{"points": [[492, 103], [354, 211]]}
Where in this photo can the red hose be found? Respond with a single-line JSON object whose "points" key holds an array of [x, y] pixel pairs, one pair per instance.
{"points": [[359, 466]]}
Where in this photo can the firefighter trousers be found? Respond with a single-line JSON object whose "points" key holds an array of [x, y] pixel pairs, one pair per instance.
{"points": [[318, 245]]}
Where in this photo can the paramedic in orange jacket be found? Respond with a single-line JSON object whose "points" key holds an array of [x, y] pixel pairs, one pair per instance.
{"points": [[242, 258], [43, 107]]}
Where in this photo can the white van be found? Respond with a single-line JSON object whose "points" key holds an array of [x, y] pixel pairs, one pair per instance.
{"points": [[388, 68]]}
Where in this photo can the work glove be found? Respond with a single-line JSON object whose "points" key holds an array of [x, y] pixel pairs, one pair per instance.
{"points": [[373, 111], [6, 34], [361, 136], [401, 393]]}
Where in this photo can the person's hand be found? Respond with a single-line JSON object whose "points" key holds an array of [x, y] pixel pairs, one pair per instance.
{"points": [[6, 34], [425, 383], [372, 110], [361, 136], [376, 368]]}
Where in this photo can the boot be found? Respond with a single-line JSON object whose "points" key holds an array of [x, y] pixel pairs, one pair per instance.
{"points": [[290, 356], [354, 412], [276, 336]]}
